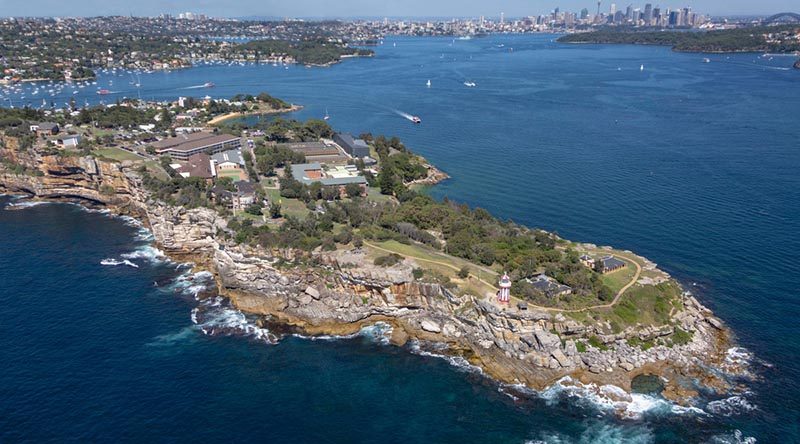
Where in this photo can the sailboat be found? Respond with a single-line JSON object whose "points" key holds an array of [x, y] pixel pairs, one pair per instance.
{"points": [[641, 68], [326, 115], [429, 83]]}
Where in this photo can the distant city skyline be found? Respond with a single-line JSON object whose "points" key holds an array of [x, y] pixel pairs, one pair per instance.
{"points": [[366, 8]]}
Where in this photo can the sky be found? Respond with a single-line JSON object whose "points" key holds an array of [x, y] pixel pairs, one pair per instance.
{"points": [[368, 8]]}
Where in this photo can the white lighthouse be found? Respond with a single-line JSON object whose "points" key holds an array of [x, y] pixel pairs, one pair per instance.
{"points": [[504, 295]]}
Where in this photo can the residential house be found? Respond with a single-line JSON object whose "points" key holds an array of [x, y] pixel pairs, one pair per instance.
{"points": [[46, 128], [197, 165], [548, 286], [69, 141], [611, 263]]}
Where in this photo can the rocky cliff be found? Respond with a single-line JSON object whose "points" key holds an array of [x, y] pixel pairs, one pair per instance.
{"points": [[340, 292]]}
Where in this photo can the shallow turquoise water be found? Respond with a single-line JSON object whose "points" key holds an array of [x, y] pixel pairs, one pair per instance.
{"points": [[694, 165]]}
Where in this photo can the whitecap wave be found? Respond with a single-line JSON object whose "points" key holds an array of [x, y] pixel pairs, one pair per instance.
{"points": [[148, 253], [28, 204], [216, 317], [599, 432], [736, 437], [104, 211], [144, 235], [610, 398], [733, 405], [380, 332], [192, 284], [114, 262], [432, 350]]}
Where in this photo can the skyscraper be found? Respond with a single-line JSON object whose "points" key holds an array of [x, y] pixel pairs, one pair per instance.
{"points": [[584, 14], [648, 14], [502, 17]]}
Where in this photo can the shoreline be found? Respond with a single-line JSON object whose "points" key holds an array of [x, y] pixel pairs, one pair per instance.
{"points": [[225, 117], [329, 299]]}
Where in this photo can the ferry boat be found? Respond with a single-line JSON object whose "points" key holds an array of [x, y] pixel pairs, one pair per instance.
{"points": [[103, 92], [416, 119]]}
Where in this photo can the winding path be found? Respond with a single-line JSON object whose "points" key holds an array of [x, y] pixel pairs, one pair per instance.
{"points": [[540, 307]]}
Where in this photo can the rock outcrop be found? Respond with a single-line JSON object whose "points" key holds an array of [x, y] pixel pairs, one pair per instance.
{"points": [[340, 292]]}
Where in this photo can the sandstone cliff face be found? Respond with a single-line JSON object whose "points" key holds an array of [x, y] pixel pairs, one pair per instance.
{"points": [[70, 177], [335, 297]]}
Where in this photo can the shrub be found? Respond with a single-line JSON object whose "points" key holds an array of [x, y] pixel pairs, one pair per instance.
{"points": [[275, 210], [681, 337], [595, 342], [107, 190], [463, 273], [388, 260], [417, 273]]}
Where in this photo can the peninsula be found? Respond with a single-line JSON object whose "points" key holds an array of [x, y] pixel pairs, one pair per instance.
{"points": [[319, 232], [770, 39], [39, 49]]}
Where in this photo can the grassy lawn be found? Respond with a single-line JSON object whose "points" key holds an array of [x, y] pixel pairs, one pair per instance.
{"points": [[154, 168], [233, 174], [115, 154], [374, 195], [644, 304], [618, 279], [289, 207], [443, 264]]}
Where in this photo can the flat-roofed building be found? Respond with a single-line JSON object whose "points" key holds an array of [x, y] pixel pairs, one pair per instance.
{"points": [[331, 176], [320, 152], [183, 146], [354, 147]]}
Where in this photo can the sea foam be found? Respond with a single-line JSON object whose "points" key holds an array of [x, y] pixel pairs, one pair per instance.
{"points": [[113, 262]]}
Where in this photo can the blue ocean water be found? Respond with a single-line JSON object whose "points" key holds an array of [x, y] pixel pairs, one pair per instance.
{"points": [[694, 165]]}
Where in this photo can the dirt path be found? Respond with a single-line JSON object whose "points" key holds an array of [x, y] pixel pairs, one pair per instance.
{"points": [[539, 307], [444, 264]]}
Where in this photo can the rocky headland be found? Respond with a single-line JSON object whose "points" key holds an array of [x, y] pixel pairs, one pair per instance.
{"points": [[339, 293]]}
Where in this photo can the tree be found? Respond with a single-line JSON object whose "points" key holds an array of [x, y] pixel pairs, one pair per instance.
{"points": [[353, 190], [329, 193], [345, 236], [605, 294], [254, 209], [275, 210], [463, 273]]}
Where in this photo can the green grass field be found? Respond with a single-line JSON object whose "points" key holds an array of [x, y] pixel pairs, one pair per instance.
{"points": [[618, 279], [116, 154], [441, 263], [233, 174], [289, 207]]}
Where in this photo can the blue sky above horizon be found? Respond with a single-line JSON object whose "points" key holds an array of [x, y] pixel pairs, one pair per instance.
{"points": [[368, 8]]}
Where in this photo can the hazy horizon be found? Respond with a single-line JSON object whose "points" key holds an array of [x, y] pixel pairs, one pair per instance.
{"points": [[322, 9]]}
